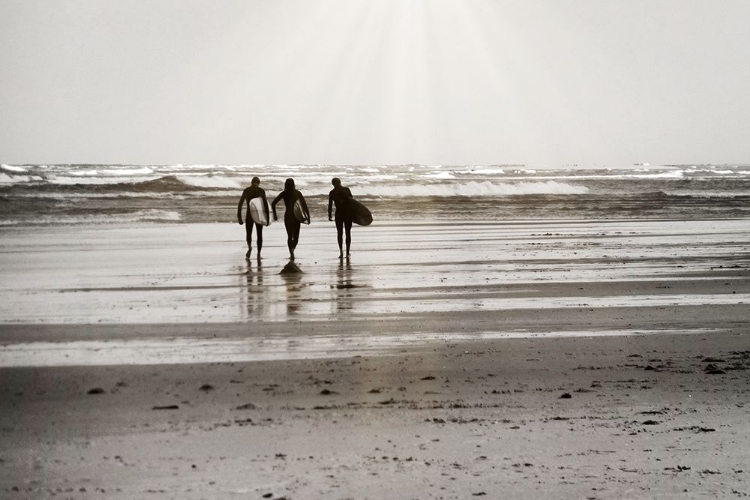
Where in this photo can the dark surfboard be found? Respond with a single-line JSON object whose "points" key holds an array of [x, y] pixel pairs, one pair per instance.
{"points": [[360, 213]]}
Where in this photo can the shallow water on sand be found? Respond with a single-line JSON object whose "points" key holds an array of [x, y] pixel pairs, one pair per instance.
{"points": [[194, 273], [287, 347]]}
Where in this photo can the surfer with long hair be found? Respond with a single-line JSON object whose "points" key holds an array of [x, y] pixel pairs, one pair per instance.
{"points": [[295, 213], [339, 196], [254, 191]]}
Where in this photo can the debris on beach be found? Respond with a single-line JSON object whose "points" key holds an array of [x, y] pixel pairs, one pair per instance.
{"points": [[712, 369], [247, 406]]}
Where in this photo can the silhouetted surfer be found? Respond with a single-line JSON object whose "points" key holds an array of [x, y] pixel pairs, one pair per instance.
{"points": [[338, 196], [254, 191], [292, 218]]}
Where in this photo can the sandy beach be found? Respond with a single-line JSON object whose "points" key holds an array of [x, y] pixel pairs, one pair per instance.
{"points": [[536, 359], [552, 300]]}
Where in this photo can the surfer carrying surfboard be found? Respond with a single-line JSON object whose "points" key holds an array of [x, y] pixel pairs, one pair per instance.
{"points": [[339, 196], [257, 214], [295, 213]]}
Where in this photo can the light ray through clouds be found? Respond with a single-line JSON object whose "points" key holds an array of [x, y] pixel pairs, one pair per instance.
{"points": [[413, 77], [408, 80]]}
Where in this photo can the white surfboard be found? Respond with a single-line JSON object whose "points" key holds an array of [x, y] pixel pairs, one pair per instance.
{"points": [[300, 213], [257, 213]]}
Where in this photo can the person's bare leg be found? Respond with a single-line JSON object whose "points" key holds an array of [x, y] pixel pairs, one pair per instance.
{"points": [[340, 237], [292, 229]]}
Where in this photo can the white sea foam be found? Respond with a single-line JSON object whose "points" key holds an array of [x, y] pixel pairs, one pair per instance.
{"points": [[712, 171], [372, 179], [470, 188], [674, 174], [473, 188], [13, 179], [153, 215], [214, 181], [156, 215], [440, 175], [708, 194], [13, 168], [82, 196], [128, 171], [95, 180]]}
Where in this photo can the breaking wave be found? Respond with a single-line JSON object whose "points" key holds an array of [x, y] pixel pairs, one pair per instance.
{"points": [[472, 188], [154, 215], [106, 194]]}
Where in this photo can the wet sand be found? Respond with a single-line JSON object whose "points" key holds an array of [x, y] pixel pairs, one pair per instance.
{"points": [[567, 359]]}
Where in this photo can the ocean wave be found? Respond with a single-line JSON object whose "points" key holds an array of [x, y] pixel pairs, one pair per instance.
{"points": [[85, 179], [13, 179], [473, 188], [215, 181], [712, 171], [94, 180], [127, 171], [482, 171], [709, 194], [13, 168], [440, 175], [230, 187], [153, 215]]}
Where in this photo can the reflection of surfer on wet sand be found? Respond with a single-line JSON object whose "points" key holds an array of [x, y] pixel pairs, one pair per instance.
{"points": [[255, 298], [257, 214], [344, 295], [295, 213]]}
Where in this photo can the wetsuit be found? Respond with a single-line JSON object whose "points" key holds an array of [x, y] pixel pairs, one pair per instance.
{"points": [[247, 195], [290, 221], [339, 196]]}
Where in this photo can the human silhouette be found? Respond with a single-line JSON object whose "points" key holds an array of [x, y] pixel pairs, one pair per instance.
{"points": [[254, 191], [290, 195], [339, 196]]}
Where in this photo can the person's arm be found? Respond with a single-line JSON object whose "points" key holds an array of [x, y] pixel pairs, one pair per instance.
{"points": [[349, 193], [239, 206], [265, 207], [330, 205], [273, 204]]}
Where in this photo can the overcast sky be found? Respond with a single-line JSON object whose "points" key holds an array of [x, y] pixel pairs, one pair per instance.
{"points": [[375, 82]]}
